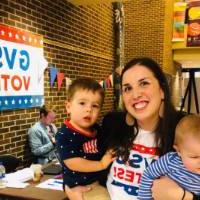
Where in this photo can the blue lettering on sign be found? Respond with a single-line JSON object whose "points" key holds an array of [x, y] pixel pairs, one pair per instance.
{"points": [[10, 60], [24, 58], [24, 62]]}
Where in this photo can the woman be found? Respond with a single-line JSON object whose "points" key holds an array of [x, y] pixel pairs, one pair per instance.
{"points": [[145, 131]]}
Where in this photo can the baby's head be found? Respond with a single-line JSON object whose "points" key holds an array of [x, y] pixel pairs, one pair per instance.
{"points": [[85, 99], [187, 142]]}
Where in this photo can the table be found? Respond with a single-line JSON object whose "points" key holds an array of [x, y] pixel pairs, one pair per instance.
{"points": [[32, 193]]}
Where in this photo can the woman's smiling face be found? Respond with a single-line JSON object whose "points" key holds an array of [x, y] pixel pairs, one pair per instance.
{"points": [[141, 93]]}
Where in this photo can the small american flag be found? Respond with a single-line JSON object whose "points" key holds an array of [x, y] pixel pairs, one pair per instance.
{"points": [[90, 146]]}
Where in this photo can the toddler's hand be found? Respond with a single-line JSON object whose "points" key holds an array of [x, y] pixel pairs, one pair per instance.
{"points": [[108, 158]]}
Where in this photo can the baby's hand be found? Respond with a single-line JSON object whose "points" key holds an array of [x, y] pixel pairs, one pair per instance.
{"points": [[108, 158]]}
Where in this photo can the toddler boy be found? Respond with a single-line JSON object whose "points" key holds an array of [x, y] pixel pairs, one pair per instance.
{"points": [[79, 139]]}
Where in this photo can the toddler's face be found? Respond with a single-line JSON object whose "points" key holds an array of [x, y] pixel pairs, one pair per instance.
{"points": [[84, 109], [189, 151]]}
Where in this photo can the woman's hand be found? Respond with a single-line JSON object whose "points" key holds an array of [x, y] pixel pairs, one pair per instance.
{"points": [[165, 188], [76, 193]]}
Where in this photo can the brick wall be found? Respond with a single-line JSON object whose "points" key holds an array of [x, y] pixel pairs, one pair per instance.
{"points": [[77, 40], [144, 29]]}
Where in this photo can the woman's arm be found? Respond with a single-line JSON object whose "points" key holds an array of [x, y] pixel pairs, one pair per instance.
{"points": [[165, 187]]}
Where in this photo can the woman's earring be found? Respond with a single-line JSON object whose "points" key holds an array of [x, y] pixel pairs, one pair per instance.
{"points": [[161, 110], [129, 119]]}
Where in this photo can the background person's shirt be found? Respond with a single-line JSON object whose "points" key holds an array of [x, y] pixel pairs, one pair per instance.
{"points": [[40, 143]]}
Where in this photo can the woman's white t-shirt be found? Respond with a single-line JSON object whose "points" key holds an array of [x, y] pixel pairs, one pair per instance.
{"points": [[124, 179]]}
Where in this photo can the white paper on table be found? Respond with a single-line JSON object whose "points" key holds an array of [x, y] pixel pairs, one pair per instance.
{"points": [[16, 184], [54, 184], [23, 175]]}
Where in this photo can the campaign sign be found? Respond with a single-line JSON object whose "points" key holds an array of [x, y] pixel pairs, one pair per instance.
{"points": [[21, 69]]}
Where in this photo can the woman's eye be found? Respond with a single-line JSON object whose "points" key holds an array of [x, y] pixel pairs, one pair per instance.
{"points": [[82, 103], [127, 89], [144, 83]]}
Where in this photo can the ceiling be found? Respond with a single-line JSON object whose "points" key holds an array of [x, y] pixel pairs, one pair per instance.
{"points": [[89, 2]]}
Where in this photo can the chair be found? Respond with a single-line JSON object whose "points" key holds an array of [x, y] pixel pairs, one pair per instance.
{"points": [[10, 162]]}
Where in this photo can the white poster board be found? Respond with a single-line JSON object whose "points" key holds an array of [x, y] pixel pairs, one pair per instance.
{"points": [[22, 67]]}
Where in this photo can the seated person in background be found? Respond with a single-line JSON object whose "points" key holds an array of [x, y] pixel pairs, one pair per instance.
{"points": [[79, 141], [183, 166], [42, 135]]}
